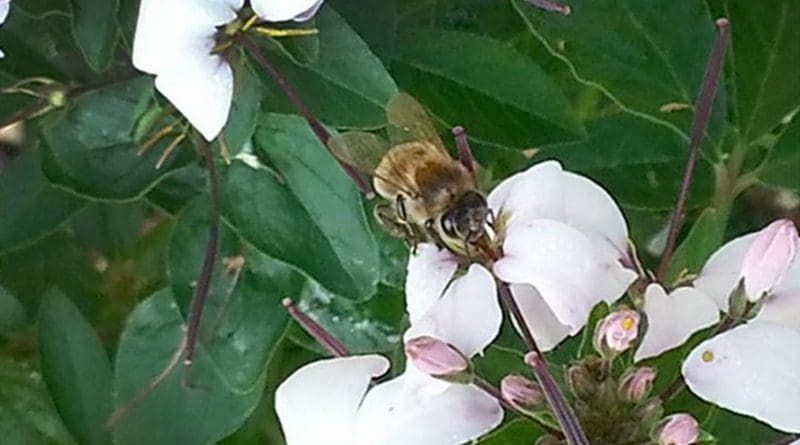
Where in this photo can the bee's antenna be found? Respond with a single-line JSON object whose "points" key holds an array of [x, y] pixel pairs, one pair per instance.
{"points": [[464, 151]]}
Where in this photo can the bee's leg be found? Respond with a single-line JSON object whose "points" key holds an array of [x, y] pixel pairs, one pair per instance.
{"points": [[433, 235], [386, 216]]}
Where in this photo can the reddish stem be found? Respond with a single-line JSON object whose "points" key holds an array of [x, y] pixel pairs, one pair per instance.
{"points": [[705, 100], [320, 334]]}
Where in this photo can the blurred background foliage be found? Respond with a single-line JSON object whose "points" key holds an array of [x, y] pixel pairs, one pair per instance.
{"points": [[99, 250]]}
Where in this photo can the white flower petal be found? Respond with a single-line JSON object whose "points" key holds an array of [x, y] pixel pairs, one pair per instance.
{"points": [[279, 11], [782, 309], [201, 88], [590, 209], [318, 403], [468, 316], [545, 327], [790, 284], [721, 273], [167, 30], [4, 7], [752, 370], [535, 193], [559, 261], [429, 271], [673, 318], [394, 413]]}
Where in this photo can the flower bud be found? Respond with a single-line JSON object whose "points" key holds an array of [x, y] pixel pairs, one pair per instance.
{"points": [[616, 332], [648, 413], [769, 257], [636, 383], [677, 429], [581, 381], [435, 357], [521, 393]]}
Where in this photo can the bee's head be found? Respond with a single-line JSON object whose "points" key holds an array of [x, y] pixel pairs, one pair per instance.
{"points": [[466, 218]]}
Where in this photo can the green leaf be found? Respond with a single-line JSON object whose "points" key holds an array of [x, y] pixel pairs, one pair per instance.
{"points": [[175, 190], [30, 206], [188, 406], [703, 239], [243, 317], [643, 54], [90, 146], [27, 415], [639, 162], [110, 228], [766, 54], [94, 27], [308, 202], [497, 93], [247, 95], [347, 85], [515, 432], [76, 369], [783, 162], [12, 313]]}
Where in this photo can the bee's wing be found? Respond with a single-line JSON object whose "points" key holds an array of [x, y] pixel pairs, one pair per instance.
{"points": [[360, 149], [408, 121]]}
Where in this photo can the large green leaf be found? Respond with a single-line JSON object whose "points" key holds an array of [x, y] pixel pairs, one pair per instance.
{"points": [[783, 162], [639, 162], [30, 206], [247, 95], [27, 415], [347, 85], [703, 239], [95, 30], [12, 313], [76, 369], [243, 317], [643, 54], [90, 146], [766, 56], [188, 406], [307, 213], [497, 93]]}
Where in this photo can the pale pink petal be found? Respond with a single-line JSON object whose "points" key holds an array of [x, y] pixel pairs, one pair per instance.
{"points": [[201, 88], [782, 309], [394, 413], [673, 318], [722, 271], [318, 403], [279, 11], [615, 278], [590, 209], [790, 284], [545, 327], [751, 370], [4, 7], [559, 261], [535, 193], [769, 257], [429, 271], [468, 316]]}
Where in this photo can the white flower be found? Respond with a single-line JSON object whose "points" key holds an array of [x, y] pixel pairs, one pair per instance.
{"points": [[673, 318], [754, 369], [564, 241], [4, 7], [414, 408], [175, 40]]}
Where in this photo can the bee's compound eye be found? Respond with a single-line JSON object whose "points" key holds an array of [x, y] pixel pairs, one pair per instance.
{"points": [[448, 226]]}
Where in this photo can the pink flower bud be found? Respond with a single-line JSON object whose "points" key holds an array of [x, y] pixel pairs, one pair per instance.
{"points": [[617, 331], [435, 357], [677, 429], [521, 393], [635, 384], [769, 257]]}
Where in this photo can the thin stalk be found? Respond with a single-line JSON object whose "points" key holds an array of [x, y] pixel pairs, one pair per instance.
{"points": [[319, 130], [705, 100], [571, 427], [209, 258], [494, 392], [552, 6], [320, 334]]}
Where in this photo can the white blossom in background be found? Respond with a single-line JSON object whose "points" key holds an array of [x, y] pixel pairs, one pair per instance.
{"points": [[175, 40], [564, 243], [4, 7], [413, 408], [673, 318], [754, 369]]}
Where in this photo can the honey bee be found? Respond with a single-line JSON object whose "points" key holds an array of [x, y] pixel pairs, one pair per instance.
{"points": [[432, 197]]}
